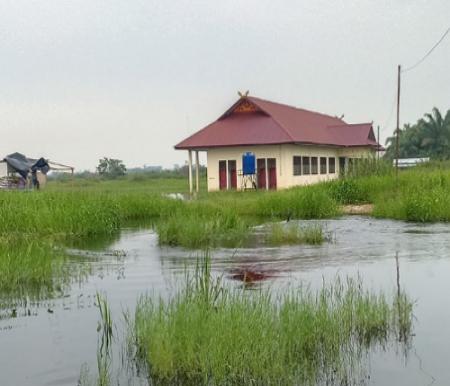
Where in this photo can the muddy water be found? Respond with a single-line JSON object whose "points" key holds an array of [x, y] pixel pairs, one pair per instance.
{"points": [[50, 346]]}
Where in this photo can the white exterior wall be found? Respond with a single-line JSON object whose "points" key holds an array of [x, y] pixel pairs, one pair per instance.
{"points": [[3, 169], [284, 161]]}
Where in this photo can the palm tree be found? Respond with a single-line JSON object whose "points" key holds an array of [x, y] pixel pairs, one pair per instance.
{"points": [[436, 134], [407, 144], [429, 137]]}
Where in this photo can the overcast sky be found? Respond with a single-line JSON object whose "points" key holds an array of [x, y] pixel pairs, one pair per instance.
{"points": [[83, 79]]}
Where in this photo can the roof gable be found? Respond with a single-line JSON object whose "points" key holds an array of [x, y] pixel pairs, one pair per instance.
{"points": [[242, 106]]}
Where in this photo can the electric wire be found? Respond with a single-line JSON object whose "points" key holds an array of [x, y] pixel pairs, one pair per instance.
{"points": [[429, 52]]}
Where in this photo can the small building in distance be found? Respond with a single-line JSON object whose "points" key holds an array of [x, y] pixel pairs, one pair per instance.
{"points": [[290, 146]]}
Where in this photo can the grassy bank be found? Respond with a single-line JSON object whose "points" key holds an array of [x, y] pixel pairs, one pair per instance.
{"points": [[77, 213], [420, 194], [189, 223], [129, 183], [208, 334], [43, 219]]}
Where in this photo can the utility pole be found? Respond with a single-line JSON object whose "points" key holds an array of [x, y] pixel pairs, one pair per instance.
{"points": [[378, 142], [397, 131]]}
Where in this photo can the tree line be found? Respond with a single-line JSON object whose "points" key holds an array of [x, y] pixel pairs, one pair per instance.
{"points": [[428, 137]]}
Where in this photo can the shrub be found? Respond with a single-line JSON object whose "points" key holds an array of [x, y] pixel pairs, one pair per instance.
{"points": [[348, 191]]}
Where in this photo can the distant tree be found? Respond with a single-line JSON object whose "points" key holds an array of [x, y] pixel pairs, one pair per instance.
{"points": [[429, 137], [436, 133], [111, 168]]}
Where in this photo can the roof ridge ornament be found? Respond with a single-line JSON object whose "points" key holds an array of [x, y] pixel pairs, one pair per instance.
{"points": [[243, 95]]}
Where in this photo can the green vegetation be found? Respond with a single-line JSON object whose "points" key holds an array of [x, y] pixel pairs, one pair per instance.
{"points": [[32, 270], [78, 213], [105, 328], [34, 223], [293, 233], [149, 182], [429, 137], [194, 229], [308, 202], [225, 218], [422, 196], [111, 168], [208, 334], [211, 219], [104, 348]]}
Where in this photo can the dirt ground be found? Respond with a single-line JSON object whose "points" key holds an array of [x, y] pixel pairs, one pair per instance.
{"points": [[358, 209]]}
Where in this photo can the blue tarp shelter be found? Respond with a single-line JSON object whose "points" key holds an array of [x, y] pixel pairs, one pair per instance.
{"points": [[23, 165]]}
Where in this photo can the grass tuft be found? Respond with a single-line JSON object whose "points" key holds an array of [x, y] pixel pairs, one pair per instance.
{"points": [[293, 233], [210, 334], [32, 270]]}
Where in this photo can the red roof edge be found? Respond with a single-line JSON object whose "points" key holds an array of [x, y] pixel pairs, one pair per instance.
{"points": [[177, 147]]}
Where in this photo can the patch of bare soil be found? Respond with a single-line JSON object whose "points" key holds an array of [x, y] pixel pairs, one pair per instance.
{"points": [[358, 209]]}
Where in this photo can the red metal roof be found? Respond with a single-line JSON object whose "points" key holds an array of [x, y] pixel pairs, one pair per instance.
{"points": [[254, 121]]}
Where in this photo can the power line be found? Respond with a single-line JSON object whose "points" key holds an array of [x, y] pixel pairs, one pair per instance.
{"points": [[388, 120], [429, 52]]}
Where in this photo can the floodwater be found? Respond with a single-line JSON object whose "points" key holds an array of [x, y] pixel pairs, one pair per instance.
{"points": [[49, 345]]}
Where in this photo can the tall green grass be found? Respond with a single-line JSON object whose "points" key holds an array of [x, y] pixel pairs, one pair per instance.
{"points": [[32, 270], [419, 194], [196, 230], [294, 233], [309, 202], [77, 213], [104, 348], [211, 334], [131, 183], [53, 214], [216, 217]]}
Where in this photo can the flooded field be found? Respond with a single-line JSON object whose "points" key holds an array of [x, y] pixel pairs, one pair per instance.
{"points": [[48, 342]]}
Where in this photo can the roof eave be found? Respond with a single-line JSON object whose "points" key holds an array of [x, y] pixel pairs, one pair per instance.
{"points": [[205, 147]]}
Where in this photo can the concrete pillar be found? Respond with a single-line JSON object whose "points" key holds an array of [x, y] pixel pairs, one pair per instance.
{"points": [[267, 173], [190, 171], [197, 177]]}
